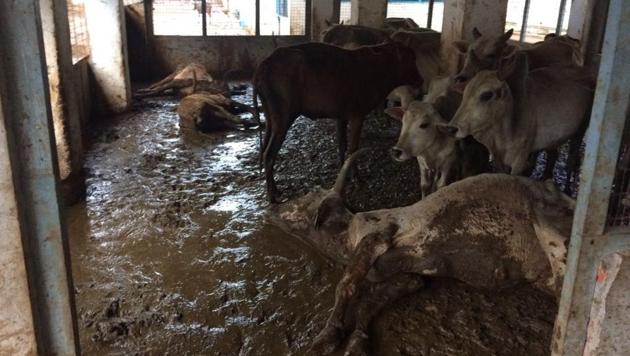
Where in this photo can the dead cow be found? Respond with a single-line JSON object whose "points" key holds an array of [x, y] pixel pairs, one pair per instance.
{"points": [[322, 81], [515, 112], [185, 80], [210, 112], [442, 158], [488, 52], [490, 231]]}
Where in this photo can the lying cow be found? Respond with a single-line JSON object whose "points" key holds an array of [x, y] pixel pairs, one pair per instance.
{"points": [[488, 52], [210, 112], [515, 112], [185, 80], [490, 231], [322, 81], [442, 159]]}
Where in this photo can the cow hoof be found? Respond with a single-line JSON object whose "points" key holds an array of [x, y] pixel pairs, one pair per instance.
{"points": [[356, 344], [327, 341]]}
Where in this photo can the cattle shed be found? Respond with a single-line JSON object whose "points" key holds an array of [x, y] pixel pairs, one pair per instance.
{"points": [[138, 140]]}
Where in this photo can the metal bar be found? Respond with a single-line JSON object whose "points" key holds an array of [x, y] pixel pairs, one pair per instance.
{"points": [[34, 163], [204, 18], [524, 24], [612, 99], [430, 14], [257, 17], [563, 8]]}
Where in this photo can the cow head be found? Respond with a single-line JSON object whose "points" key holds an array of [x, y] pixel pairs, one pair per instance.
{"points": [[407, 72], [484, 52], [488, 99], [422, 128]]}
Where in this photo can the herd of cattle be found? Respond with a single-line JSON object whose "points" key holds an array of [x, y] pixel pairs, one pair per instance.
{"points": [[474, 133]]}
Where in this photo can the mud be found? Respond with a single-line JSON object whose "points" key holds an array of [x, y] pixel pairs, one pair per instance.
{"points": [[171, 254]]}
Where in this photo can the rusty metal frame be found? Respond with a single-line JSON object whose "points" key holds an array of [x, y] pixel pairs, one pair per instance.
{"points": [[590, 240], [561, 12], [35, 173]]}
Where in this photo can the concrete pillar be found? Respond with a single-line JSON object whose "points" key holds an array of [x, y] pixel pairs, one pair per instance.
{"points": [[108, 53], [17, 333], [587, 23], [26, 114], [369, 13], [461, 16], [321, 12], [65, 110]]}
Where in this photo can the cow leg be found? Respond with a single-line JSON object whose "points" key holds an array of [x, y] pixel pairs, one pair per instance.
{"points": [[369, 249], [356, 123], [161, 82], [278, 134], [380, 295], [573, 163], [342, 139], [552, 158]]}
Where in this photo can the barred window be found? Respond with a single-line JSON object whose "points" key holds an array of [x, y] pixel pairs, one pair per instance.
{"points": [[78, 30], [345, 11], [229, 17], [427, 14], [533, 19]]}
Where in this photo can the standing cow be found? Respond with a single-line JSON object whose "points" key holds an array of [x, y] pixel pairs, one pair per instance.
{"points": [[323, 81], [515, 112]]}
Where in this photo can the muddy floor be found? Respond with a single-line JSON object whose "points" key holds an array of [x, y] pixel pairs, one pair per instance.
{"points": [[171, 254]]}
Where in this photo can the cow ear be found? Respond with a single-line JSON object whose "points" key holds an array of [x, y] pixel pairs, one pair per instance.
{"points": [[476, 33], [506, 36], [395, 112], [514, 66], [461, 46]]}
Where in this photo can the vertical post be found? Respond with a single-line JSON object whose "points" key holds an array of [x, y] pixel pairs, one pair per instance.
{"points": [[257, 17], [610, 108], [524, 24], [26, 111], [204, 18], [430, 14], [561, 12], [322, 11]]}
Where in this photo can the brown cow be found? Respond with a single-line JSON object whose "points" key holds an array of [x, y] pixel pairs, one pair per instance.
{"points": [[319, 80], [211, 112]]}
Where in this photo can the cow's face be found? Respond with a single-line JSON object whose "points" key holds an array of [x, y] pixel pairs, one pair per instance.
{"points": [[484, 52], [486, 102], [421, 129]]}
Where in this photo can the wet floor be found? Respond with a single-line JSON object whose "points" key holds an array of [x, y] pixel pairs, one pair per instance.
{"points": [[171, 254]]}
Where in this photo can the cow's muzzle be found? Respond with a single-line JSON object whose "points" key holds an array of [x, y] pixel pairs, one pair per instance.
{"points": [[399, 154]]}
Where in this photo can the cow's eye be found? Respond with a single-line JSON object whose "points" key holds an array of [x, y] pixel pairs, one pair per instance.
{"points": [[424, 126], [485, 96]]}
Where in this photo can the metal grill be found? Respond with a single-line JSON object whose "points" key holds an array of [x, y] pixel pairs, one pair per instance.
{"points": [[78, 30], [282, 17], [533, 19], [345, 11], [619, 208], [425, 13], [177, 17]]}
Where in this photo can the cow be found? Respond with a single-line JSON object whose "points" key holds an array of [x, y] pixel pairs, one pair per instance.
{"points": [[185, 80], [403, 95], [442, 158], [211, 112], [515, 112], [393, 24], [323, 81], [488, 52], [426, 46], [353, 36], [489, 231]]}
